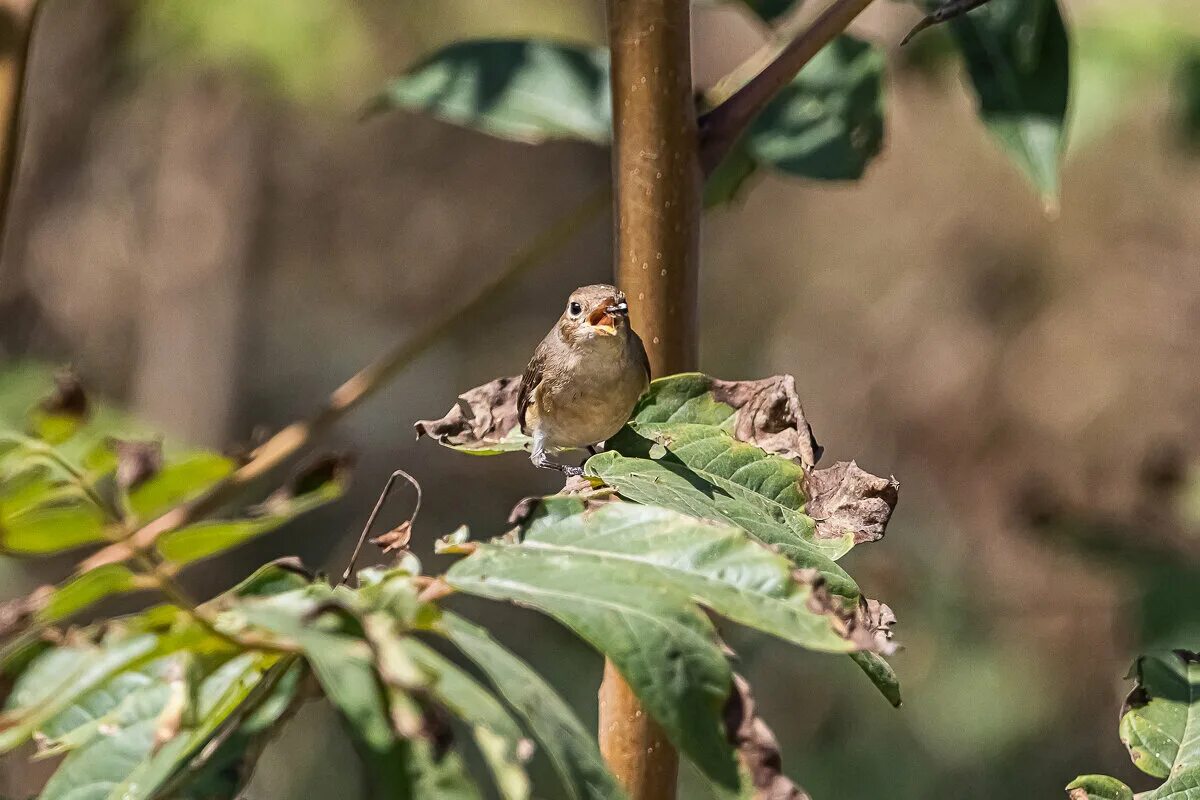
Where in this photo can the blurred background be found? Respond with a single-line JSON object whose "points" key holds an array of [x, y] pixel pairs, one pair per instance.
{"points": [[203, 227]]}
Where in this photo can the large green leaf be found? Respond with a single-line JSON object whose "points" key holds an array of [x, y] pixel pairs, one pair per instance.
{"points": [[496, 733], [760, 495], [525, 90], [828, 122], [104, 759], [1161, 727], [344, 664], [627, 579], [571, 749], [80, 592], [57, 679], [1017, 54]]}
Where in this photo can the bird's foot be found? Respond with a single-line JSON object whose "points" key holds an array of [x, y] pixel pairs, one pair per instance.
{"points": [[541, 461]]}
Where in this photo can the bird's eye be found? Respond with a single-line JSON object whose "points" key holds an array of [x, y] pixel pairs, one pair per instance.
{"points": [[574, 309]]}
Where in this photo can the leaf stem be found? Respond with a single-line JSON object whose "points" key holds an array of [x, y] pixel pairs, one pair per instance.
{"points": [[764, 75]]}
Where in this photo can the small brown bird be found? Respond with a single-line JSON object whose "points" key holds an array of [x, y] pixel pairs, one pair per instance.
{"points": [[584, 378]]}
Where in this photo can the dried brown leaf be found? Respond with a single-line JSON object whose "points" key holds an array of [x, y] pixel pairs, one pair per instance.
{"points": [[769, 415], [395, 539], [756, 747], [844, 498], [69, 398], [137, 462], [482, 416]]}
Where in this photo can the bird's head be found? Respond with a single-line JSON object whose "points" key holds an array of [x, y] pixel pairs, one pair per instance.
{"points": [[595, 313]]}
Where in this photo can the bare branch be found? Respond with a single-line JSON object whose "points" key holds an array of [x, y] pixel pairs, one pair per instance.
{"points": [[362, 537], [764, 75]]}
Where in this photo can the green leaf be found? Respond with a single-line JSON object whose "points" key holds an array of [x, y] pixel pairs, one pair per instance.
{"points": [[496, 733], [1098, 787], [177, 482], [626, 578], [344, 664], [1161, 726], [209, 538], [106, 759], [761, 494], [250, 691], [62, 525], [56, 680], [525, 90], [881, 674], [769, 10], [82, 591], [828, 122], [571, 749], [1017, 55], [727, 182]]}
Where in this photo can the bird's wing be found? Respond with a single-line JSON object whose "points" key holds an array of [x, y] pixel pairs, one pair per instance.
{"points": [[529, 384]]}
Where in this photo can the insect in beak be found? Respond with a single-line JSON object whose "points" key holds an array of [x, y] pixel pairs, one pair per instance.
{"points": [[604, 318]]}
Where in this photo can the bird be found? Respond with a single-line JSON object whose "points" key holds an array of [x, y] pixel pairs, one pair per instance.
{"points": [[585, 377]]}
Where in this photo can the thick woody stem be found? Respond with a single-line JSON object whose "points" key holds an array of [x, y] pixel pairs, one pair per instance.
{"points": [[656, 172]]}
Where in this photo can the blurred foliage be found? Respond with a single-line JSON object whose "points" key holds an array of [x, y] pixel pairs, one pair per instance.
{"points": [[306, 49]]}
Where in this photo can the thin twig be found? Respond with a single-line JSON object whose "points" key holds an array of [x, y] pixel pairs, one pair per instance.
{"points": [[943, 13], [757, 84], [287, 443], [362, 537]]}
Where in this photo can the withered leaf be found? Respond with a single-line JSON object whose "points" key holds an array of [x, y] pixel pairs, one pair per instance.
{"points": [[769, 415], [757, 748], [69, 398], [137, 462], [845, 498], [483, 420], [395, 539]]}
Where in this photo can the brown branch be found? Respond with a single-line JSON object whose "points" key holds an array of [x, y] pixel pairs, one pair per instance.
{"points": [[287, 443], [17, 19], [656, 172], [740, 96]]}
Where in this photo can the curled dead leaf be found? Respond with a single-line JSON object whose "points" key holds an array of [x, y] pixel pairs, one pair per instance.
{"points": [[867, 624], [757, 748], [68, 399], [769, 415], [395, 539], [482, 416], [845, 498], [137, 462]]}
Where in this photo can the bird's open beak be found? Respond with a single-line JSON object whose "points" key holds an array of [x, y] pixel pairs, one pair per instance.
{"points": [[604, 318]]}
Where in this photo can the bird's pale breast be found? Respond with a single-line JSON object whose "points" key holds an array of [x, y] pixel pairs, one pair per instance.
{"points": [[590, 400]]}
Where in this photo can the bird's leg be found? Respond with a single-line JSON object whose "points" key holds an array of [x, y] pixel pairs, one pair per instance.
{"points": [[541, 460]]}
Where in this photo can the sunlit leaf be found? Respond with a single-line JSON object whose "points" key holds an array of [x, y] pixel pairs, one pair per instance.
{"points": [[1161, 726], [525, 90], [571, 749], [626, 578]]}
